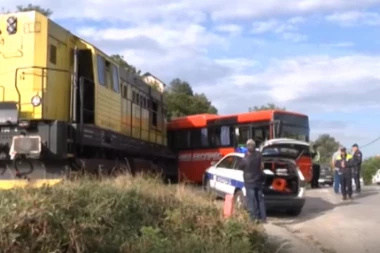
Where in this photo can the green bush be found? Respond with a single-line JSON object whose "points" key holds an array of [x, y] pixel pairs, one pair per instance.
{"points": [[129, 215], [369, 168]]}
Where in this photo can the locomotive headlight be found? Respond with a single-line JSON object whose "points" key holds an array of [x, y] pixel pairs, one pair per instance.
{"points": [[36, 100]]}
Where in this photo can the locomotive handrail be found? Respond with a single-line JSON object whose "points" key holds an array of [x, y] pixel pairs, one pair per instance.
{"points": [[82, 80], [42, 81], [3, 88]]}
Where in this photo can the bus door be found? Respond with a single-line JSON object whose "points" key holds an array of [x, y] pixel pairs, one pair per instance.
{"points": [[274, 129]]}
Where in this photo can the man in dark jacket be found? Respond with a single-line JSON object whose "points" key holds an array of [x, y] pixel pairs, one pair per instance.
{"points": [[315, 155], [357, 157], [253, 175], [344, 162]]}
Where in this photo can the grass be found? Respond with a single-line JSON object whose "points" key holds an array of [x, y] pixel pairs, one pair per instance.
{"points": [[128, 215]]}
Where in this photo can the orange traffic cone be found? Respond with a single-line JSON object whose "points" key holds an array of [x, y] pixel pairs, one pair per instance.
{"points": [[228, 205]]}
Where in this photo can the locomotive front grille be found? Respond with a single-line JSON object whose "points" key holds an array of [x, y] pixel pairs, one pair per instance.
{"points": [[26, 145]]}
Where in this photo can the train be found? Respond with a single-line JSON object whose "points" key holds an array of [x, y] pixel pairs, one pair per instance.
{"points": [[66, 104]]}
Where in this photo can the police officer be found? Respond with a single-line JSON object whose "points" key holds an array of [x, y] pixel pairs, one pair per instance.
{"points": [[344, 162], [316, 167], [357, 157]]}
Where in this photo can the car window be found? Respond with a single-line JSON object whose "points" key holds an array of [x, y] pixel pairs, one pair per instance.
{"points": [[227, 162], [236, 163]]}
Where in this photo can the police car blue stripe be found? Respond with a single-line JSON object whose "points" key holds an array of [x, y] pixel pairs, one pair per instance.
{"points": [[226, 180]]}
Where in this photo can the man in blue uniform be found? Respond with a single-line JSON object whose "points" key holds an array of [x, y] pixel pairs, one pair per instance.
{"points": [[253, 175], [357, 157], [344, 162]]}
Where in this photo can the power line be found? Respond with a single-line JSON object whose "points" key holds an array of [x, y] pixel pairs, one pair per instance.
{"points": [[371, 142]]}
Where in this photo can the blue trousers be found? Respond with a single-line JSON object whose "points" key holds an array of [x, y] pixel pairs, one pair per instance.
{"points": [[337, 179], [255, 203]]}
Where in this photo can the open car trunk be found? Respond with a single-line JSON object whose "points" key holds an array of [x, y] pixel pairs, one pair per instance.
{"points": [[283, 175]]}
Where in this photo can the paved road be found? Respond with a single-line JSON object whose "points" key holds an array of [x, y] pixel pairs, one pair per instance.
{"points": [[342, 226]]}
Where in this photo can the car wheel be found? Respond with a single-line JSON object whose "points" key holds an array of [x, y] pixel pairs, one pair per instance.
{"points": [[239, 200], [294, 212]]}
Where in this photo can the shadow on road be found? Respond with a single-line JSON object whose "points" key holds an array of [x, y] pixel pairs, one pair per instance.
{"points": [[314, 208], [365, 194], [279, 244], [317, 206]]}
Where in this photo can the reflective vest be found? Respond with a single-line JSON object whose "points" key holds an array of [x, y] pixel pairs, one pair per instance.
{"points": [[348, 157], [317, 157]]}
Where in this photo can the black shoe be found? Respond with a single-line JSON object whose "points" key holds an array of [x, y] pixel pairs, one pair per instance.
{"points": [[344, 198]]}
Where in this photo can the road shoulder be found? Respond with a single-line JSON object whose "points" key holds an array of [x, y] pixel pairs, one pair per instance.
{"points": [[288, 242]]}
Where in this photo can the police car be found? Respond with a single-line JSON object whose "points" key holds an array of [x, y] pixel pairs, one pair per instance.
{"points": [[376, 178], [284, 185]]}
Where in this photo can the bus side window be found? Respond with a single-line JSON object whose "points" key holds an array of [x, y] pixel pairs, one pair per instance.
{"points": [[198, 138], [182, 139], [222, 136], [204, 137], [195, 138], [214, 135], [243, 135], [225, 136], [260, 134]]}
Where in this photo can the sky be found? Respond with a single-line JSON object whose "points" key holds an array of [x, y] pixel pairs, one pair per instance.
{"points": [[317, 57]]}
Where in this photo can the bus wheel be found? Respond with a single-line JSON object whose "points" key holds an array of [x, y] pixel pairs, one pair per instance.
{"points": [[239, 200]]}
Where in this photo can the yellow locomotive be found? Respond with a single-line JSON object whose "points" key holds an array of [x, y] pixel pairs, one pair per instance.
{"points": [[62, 99]]}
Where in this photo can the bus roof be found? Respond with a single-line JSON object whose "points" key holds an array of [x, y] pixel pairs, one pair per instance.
{"points": [[200, 120], [192, 121]]}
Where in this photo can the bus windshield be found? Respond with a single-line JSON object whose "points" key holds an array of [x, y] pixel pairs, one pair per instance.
{"points": [[294, 132], [292, 126]]}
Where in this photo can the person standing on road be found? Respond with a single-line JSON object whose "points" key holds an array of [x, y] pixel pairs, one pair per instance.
{"points": [[316, 167], [336, 170], [357, 157], [345, 164], [253, 175]]}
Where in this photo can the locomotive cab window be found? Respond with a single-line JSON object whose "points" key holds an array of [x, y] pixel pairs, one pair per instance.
{"points": [[53, 54], [109, 81], [154, 114], [124, 90], [115, 78], [101, 71]]}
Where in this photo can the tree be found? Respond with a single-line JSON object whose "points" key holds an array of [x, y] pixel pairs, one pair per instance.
{"points": [[182, 101], [268, 106], [179, 86], [327, 146], [123, 63], [369, 168], [32, 7]]}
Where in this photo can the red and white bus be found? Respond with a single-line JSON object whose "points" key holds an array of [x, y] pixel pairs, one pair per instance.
{"points": [[204, 138]]}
